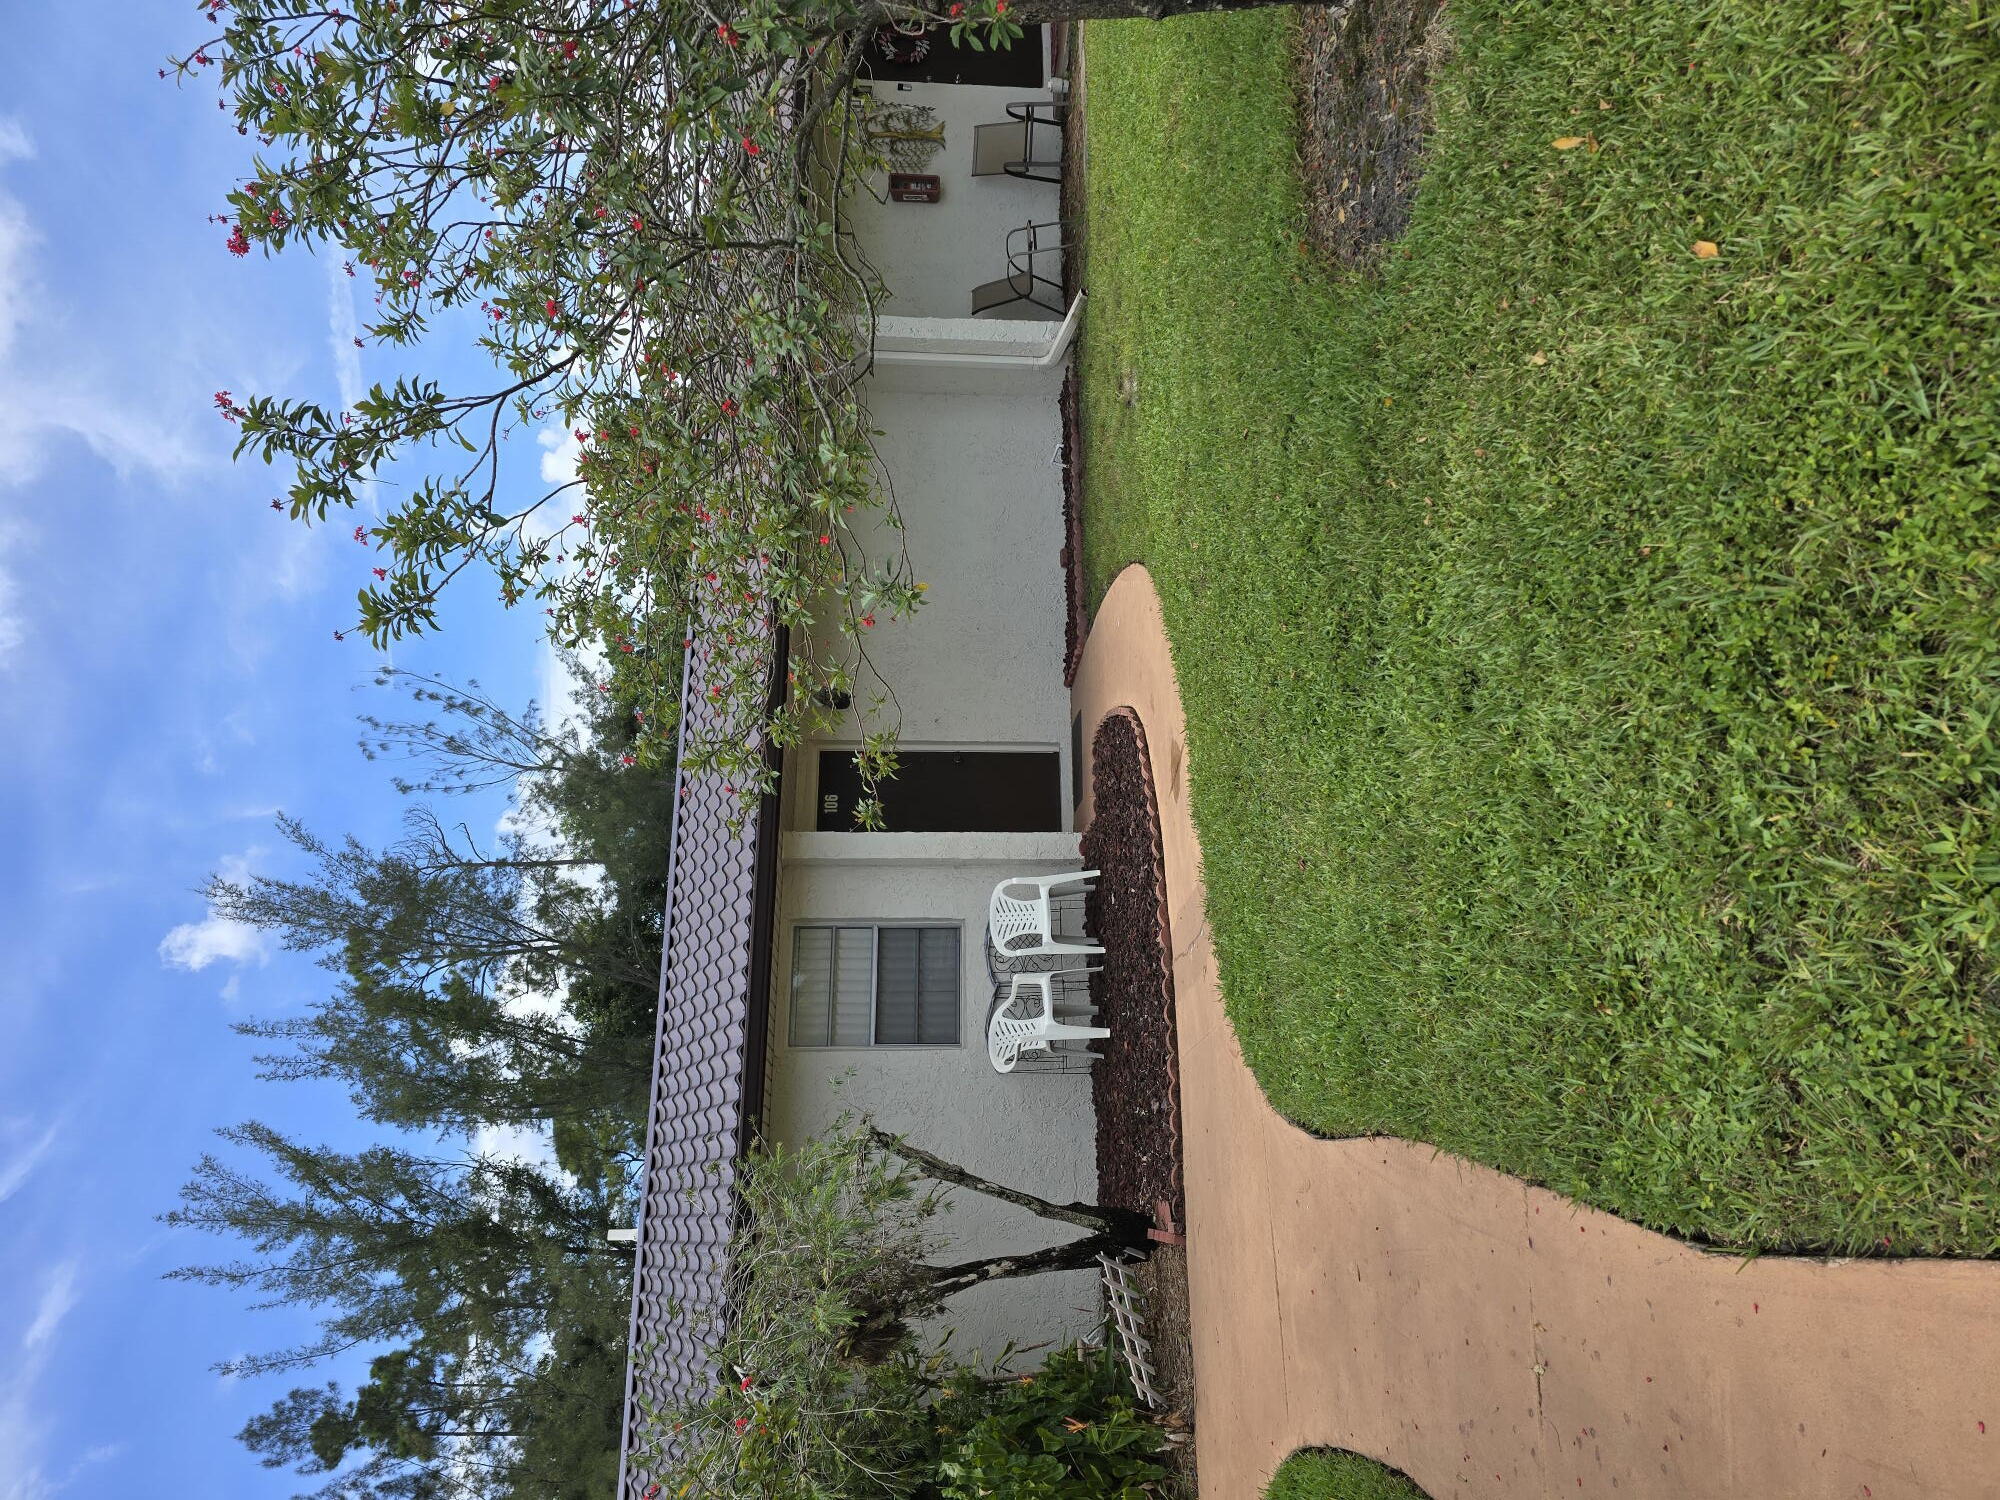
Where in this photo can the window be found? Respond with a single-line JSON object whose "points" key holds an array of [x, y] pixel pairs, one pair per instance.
{"points": [[856, 986]]}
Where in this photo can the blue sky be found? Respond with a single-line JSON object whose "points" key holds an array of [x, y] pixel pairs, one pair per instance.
{"points": [[168, 680]]}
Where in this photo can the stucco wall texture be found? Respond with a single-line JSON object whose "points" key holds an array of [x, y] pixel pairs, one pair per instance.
{"points": [[931, 255], [977, 481], [1033, 1131], [978, 487]]}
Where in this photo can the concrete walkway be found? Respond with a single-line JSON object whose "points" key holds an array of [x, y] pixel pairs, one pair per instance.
{"points": [[1492, 1339]]}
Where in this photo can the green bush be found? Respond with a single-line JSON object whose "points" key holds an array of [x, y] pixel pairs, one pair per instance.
{"points": [[1330, 1474], [1069, 1431]]}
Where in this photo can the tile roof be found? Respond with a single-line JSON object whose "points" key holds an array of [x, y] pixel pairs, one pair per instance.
{"points": [[707, 1085]]}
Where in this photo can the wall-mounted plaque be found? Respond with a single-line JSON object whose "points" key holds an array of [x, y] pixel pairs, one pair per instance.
{"points": [[915, 187]]}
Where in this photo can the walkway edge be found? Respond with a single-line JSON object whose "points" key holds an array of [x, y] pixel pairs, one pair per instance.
{"points": [[1490, 1338]]}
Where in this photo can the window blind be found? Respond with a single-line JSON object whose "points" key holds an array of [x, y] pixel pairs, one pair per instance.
{"points": [[856, 986]]}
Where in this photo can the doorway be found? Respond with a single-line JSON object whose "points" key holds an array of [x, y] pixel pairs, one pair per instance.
{"points": [[949, 791]]}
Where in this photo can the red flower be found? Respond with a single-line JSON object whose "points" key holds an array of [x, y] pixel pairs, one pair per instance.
{"points": [[381, 572], [956, 11], [751, 146], [569, 49], [627, 760], [277, 505], [741, 1423], [361, 533], [728, 407], [550, 305], [868, 622], [239, 242], [1000, 8], [729, 35], [637, 223], [825, 539], [635, 432], [580, 519], [745, 1383]]}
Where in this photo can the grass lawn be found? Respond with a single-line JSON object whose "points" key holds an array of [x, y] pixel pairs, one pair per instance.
{"points": [[1316, 1474], [1591, 650]]}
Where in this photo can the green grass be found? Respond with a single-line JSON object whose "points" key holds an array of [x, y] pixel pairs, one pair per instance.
{"points": [[1326, 1474], [1591, 652]]}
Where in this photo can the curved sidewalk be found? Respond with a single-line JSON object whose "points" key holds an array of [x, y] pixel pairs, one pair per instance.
{"points": [[1496, 1340]]}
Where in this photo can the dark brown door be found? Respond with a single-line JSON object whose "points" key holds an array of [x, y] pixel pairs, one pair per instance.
{"points": [[950, 791], [934, 57]]}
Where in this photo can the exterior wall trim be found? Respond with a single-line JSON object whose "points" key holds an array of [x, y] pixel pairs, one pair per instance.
{"points": [[986, 343]]}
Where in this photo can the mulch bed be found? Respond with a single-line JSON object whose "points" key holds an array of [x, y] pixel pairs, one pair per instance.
{"points": [[1076, 624], [1136, 1084], [1364, 103], [1076, 621]]}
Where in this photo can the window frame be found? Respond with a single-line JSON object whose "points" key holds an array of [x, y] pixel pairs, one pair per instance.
{"points": [[875, 928]]}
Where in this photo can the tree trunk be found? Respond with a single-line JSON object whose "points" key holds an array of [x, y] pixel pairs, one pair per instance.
{"points": [[948, 1281], [1029, 12], [1121, 1224]]}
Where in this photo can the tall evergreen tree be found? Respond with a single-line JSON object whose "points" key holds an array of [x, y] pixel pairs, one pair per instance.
{"points": [[463, 1253]]}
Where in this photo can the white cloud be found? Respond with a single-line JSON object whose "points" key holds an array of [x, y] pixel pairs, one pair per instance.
{"points": [[13, 621], [530, 1144], [24, 1425], [19, 1165], [52, 393], [560, 451], [342, 330], [58, 1297], [22, 1433], [195, 945]]}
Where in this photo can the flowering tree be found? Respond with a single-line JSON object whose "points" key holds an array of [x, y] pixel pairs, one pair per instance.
{"points": [[825, 1388], [640, 203]]}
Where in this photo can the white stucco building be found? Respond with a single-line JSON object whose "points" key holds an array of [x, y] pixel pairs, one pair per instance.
{"points": [[971, 439], [813, 970]]}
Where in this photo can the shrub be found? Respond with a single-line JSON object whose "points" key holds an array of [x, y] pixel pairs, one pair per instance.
{"points": [[1069, 1431]]}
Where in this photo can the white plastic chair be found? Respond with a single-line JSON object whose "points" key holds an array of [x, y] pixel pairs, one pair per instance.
{"points": [[1023, 926], [1027, 1022]]}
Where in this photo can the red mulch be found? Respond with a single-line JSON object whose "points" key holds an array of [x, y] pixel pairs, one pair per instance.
{"points": [[1136, 1084], [1076, 625]]}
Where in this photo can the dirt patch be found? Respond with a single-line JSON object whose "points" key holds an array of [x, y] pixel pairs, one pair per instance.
{"points": [[1163, 1283], [1364, 103]]}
